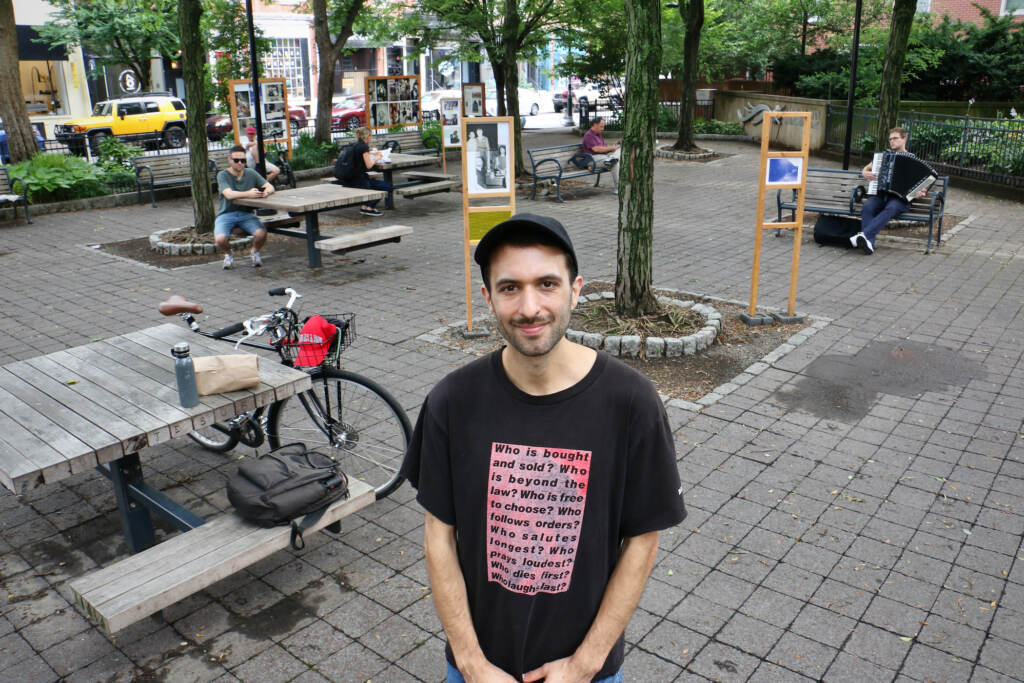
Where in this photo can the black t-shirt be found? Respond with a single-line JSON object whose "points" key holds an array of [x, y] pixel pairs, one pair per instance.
{"points": [[541, 491], [358, 164]]}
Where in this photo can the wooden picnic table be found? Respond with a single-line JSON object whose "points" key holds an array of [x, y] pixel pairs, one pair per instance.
{"points": [[401, 161], [309, 202], [97, 405]]}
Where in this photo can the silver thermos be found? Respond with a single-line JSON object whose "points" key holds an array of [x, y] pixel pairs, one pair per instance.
{"points": [[185, 372]]}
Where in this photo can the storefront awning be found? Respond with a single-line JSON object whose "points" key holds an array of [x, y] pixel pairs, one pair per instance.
{"points": [[30, 50]]}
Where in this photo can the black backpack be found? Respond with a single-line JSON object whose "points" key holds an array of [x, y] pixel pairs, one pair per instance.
{"points": [[286, 484], [345, 166]]}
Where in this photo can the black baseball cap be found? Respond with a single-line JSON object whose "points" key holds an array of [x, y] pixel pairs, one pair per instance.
{"points": [[529, 223]]}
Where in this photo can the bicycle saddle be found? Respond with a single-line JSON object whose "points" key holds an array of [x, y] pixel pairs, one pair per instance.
{"points": [[176, 304]]}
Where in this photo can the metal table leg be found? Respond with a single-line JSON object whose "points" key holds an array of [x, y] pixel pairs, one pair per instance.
{"points": [[312, 236], [135, 519]]}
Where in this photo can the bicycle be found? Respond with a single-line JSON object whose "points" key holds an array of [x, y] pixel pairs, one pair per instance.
{"points": [[345, 415]]}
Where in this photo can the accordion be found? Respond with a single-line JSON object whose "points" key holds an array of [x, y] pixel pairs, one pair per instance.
{"points": [[901, 175]]}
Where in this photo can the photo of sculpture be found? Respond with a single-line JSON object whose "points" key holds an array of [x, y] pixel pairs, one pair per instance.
{"points": [[380, 115], [272, 92], [242, 108], [784, 171], [380, 90]]}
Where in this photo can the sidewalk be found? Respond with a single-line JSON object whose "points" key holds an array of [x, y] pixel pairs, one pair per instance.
{"points": [[855, 510]]}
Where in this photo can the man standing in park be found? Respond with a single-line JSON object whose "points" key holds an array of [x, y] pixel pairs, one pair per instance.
{"points": [[604, 154], [238, 182], [879, 209], [547, 470]]}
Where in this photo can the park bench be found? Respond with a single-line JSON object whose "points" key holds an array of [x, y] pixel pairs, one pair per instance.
{"points": [[9, 196], [409, 142], [561, 162], [142, 584], [842, 193], [165, 170]]}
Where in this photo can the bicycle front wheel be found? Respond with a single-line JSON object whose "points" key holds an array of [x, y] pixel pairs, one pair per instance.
{"points": [[353, 419]]}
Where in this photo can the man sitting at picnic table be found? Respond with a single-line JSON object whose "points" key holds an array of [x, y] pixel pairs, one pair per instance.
{"points": [[604, 154], [238, 182]]}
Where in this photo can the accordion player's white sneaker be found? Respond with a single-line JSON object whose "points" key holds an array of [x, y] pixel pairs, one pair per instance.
{"points": [[855, 240]]}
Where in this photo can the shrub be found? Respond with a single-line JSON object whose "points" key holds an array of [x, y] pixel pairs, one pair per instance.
{"points": [[308, 153], [114, 153], [716, 127], [59, 177]]}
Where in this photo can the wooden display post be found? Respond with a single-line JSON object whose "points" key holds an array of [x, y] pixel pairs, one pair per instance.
{"points": [[273, 105], [488, 146], [780, 170]]}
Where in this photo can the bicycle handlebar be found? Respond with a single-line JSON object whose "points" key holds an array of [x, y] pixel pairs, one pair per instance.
{"points": [[227, 331]]}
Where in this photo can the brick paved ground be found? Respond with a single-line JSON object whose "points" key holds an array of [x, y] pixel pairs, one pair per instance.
{"points": [[855, 514]]}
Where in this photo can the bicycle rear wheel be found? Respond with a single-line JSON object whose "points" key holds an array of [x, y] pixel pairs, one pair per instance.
{"points": [[353, 419], [217, 438]]}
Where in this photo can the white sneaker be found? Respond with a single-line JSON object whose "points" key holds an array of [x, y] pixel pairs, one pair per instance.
{"points": [[257, 260], [855, 240], [229, 261]]}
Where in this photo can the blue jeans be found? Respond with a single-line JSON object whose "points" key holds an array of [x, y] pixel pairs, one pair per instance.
{"points": [[368, 183], [877, 212], [246, 220], [455, 677]]}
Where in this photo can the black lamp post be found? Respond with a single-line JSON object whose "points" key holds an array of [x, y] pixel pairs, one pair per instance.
{"points": [[853, 83], [254, 103]]}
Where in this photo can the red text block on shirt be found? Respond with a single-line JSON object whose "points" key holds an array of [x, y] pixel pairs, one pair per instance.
{"points": [[535, 502]]}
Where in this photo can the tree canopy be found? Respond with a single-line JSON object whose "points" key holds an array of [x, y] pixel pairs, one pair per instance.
{"points": [[119, 32]]}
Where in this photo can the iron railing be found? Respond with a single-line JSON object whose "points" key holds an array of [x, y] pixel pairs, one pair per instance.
{"points": [[969, 147]]}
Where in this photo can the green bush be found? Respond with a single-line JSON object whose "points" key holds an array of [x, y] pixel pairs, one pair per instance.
{"points": [[59, 177], [308, 153], [431, 128], [115, 154], [716, 127]]}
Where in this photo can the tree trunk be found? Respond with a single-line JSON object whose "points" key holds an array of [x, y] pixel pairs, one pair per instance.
{"points": [[633, 294], [692, 13], [328, 53], [192, 52], [892, 68], [21, 143]]}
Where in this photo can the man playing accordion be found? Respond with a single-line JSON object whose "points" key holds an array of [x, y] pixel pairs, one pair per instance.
{"points": [[879, 209]]}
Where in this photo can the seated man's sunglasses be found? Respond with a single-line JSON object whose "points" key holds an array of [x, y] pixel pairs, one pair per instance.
{"points": [[238, 161]]}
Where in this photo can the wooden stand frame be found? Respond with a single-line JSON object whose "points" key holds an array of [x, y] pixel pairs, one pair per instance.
{"points": [[764, 183], [477, 220], [246, 86]]}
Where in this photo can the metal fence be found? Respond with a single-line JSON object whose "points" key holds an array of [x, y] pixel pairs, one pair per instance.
{"points": [[983, 149]]}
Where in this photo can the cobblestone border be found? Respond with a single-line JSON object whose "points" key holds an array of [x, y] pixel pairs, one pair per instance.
{"points": [[176, 249], [816, 323], [654, 347], [669, 153]]}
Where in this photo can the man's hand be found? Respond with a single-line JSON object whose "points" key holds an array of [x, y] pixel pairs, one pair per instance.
{"points": [[268, 190], [485, 672], [868, 175], [921, 193], [255, 193], [566, 670]]}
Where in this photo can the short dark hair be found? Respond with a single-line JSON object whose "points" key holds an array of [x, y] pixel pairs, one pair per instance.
{"points": [[525, 230], [596, 120], [237, 148]]}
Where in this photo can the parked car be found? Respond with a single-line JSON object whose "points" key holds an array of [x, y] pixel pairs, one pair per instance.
{"points": [[219, 126], [430, 105], [531, 101], [154, 117], [5, 156], [589, 95], [349, 113]]}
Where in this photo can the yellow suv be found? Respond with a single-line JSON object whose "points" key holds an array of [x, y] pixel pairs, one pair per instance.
{"points": [[149, 118]]}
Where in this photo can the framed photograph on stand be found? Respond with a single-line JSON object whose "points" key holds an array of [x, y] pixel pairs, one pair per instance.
{"points": [[473, 99], [393, 101], [273, 110]]}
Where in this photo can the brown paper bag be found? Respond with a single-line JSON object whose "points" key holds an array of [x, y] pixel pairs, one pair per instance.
{"points": [[220, 374]]}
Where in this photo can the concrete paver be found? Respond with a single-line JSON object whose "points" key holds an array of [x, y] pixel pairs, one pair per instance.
{"points": [[876, 540]]}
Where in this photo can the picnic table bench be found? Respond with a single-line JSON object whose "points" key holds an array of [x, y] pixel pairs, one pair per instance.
{"points": [[9, 196], [165, 170], [842, 192], [561, 162]]}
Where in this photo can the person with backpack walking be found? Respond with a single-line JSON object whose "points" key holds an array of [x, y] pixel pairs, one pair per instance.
{"points": [[353, 163]]}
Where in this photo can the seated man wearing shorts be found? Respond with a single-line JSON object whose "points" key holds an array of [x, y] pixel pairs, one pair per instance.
{"points": [[235, 183]]}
